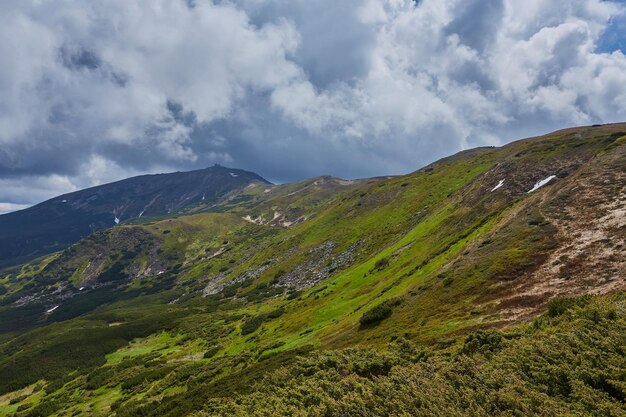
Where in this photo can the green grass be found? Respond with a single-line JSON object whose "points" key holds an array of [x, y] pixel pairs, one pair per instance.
{"points": [[162, 342]]}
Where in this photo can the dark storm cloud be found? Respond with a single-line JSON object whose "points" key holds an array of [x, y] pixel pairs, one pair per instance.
{"points": [[290, 89], [335, 42]]}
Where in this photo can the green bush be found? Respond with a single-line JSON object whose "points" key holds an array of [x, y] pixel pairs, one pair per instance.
{"points": [[379, 312], [485, 342], [382, 263], [18, 399], [211, 351], [276, 313], [251, 324], [561, 305], [145, 377], [294, 294]]}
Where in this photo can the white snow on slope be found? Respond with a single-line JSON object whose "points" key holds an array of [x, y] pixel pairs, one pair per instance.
{"points": [[116, 220], [52, 309], [141, 214], [541, 183], [233, 175], [500, 184]]}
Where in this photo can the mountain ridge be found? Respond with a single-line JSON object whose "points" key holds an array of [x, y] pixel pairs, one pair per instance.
{"points": [[55, 223]]}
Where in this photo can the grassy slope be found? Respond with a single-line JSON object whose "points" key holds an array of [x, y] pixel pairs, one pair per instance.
{"points": [[570, 361], [444, 238]]}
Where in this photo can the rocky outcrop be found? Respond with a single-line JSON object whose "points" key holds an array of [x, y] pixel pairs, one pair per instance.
{"points": [[320, 264]]}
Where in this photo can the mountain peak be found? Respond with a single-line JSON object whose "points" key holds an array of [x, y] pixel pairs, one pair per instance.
{"points": [[61, 221]]}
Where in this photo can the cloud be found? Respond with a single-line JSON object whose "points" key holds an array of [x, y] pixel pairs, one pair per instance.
{"points": [[290, 88], [480, 71], [39, 188], [9, 207], [135, 75]]}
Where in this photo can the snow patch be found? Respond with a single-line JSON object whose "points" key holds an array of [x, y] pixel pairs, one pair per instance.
{"points": [[116, 220], [63, 201], [52, 309], [81, 288], [141, 214], [500, 184], [541, 183], [233, 175]]}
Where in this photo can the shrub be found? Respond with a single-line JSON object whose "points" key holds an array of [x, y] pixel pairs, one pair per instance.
{"points": [[294, 294], [277, 276], [276, 313], [561, 305], [251, 325], [379, 312], [145, 377], [24, 407], [485, 342], [114, 273], [18, 399], [381, 263], [212, 351], [230, 290]]}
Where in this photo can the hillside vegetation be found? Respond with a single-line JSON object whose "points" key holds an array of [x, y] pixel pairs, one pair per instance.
{"points": [[570, 361], [409, 295]]}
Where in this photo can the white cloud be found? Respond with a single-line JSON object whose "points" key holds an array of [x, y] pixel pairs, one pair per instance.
{"points": [[539, 59], [96, 91], [39, 188], [106, 72], [9, 207]]}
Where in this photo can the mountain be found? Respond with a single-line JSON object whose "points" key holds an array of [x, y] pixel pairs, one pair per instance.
{"points": [[491, 282], [55, 224]]}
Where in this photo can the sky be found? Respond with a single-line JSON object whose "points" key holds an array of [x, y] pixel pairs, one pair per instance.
{"points": [[92, 92]]}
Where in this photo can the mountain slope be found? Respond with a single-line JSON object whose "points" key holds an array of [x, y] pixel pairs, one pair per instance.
{"points": [[61, 221], [176, 315], [527, 370]]}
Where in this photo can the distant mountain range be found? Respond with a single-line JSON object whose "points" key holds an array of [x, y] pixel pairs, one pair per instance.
{"points": [[55, 224]]}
